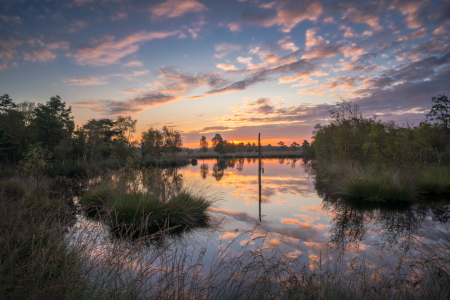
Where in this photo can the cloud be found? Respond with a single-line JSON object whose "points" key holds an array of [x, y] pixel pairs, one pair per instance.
{"points": [[296, 222], [106, 50], [119, 16], [76, 26], [11, 20], [311, 39], [305, 82], [173, 87], [357, 16], [176, 8], [224, 49], [288, 15], [41, 55], [311, 91], [133, 63], [84, 81], [226, 67]]}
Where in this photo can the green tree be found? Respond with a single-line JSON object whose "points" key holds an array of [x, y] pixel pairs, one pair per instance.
{"points": [[440, 112], [152, 142], [172, 140], [52, 122], [6, 103], [126, 127], [35, 162], [204, 144], [219, 144]]}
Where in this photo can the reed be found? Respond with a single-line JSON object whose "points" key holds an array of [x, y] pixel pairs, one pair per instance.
{"points": [[384, 183], [150, 203]]}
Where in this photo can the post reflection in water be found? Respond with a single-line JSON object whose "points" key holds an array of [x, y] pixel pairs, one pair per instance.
{"points": [[305, 219]]}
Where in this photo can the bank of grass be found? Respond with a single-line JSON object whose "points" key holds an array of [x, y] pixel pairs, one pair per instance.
{"points": [[384, 183]]}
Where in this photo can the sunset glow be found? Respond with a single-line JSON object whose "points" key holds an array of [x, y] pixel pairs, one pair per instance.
{"points": [[237, 68]]}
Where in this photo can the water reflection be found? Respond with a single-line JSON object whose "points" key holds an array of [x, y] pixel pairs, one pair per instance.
{"points": [[300, 213]]}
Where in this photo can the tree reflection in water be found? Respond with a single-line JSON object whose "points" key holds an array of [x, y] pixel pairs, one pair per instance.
{"points": [[204, 170], [396, 225]]}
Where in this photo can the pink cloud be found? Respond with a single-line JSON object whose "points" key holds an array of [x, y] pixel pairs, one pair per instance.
{"points": [[134, 63], [107, 50], [287, 17], [357, 16], [42, 55], [176, 8]]}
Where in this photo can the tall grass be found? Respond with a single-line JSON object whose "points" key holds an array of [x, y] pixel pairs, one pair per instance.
{"points": [[145, 200], [384, 183]]}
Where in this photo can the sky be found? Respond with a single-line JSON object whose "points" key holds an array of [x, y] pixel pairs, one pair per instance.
{"points": [[235, 67]]}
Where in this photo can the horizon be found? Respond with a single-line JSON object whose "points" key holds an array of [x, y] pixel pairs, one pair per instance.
{"points": [[237, 68]]}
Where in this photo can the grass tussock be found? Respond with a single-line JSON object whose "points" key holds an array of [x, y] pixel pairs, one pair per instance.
{"points": [[146, 200], [381, 183]]}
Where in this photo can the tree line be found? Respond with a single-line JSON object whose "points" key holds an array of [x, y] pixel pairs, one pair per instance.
{"points": [[222, 146], [355, 137], [51, 126]]}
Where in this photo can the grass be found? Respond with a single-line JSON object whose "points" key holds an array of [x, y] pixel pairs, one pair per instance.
{"points": [[382, 183], [151, 203], [146, 211]]}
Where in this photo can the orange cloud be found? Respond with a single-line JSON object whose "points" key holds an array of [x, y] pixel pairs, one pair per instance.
{"points": [[226, 67], [296, 222], [84, 81], [228, 235]]}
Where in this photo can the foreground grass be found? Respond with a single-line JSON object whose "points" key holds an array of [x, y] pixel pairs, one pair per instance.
{"points": [[381, 183]]}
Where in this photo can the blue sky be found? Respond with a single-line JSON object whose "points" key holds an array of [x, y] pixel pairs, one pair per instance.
{"points": [[230, 67]]}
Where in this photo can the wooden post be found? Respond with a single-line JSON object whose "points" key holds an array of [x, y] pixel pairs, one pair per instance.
{"points": [[259, 173]]}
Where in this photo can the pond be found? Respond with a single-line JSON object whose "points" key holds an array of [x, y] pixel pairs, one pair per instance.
{"points": [[306, 225], [298, 217]]}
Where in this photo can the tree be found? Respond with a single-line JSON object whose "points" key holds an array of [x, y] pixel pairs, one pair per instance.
{"points": [[294, 146], [440, 112], [204, 144], [6, 103], [53, 122], [172, 140], [281, 145], [126, 126], [152, 142], [35, 162], [219, 144], [99, 138]]}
